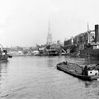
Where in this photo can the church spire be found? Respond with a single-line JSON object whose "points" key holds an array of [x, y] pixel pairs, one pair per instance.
{"points": [[87, 27], [49, 36]]}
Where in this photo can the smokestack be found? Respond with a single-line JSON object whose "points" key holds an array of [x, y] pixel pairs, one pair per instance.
{"points": [[96, 33]]}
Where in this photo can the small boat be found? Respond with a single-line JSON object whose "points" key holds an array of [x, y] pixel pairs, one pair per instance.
{"points": [[4, 56], [77, 71]]}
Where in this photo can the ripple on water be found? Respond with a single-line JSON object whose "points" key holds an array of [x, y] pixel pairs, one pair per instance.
{"points": [[38, 78]]}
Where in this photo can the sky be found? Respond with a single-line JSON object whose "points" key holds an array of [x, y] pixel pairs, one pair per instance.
{"points": [[25, 22]]}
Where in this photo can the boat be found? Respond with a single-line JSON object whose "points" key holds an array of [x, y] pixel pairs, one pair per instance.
{"points": [[77, 71], [52, 52], [4, 55]]}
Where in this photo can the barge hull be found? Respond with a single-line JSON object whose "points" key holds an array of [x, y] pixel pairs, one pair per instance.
{"points": [[73, 73]]}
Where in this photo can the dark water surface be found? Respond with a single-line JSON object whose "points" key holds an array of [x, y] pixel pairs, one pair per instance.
{"points": [[38, 78]]}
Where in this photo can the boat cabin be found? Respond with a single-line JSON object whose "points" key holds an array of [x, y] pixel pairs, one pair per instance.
{"points": [[93, 72]]}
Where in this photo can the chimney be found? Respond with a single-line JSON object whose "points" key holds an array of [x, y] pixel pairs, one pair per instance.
{"points": [[96, 33]]}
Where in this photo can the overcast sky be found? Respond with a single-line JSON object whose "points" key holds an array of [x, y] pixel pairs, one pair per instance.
{"points": [[25, 22]]}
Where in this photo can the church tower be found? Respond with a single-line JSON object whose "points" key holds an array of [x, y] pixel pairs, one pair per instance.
{"points": [[49, 36]]}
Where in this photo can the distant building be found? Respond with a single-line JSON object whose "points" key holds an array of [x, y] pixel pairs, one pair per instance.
{"points": [[35, 52], [85, 38], [67, 42], [80, 42]]}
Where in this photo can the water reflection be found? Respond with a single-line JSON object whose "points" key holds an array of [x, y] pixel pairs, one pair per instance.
{"points": [[3, 69], [88, 84], [3, 73], [52, 61], [92, 90], [93, 84]]}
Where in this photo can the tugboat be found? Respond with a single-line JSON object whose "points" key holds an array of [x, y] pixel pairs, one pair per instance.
{"points": [[3, 54], [87, 73]]}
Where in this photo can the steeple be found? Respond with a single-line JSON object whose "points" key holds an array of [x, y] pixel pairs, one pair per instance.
{"points": [[49, 36], [87, 27]]}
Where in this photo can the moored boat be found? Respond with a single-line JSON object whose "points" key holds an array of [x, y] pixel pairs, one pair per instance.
{"points": [[4, 56], [91, 73], [52, 52]]}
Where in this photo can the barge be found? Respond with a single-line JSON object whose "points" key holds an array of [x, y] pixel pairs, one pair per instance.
{"points": [[91, 73]]}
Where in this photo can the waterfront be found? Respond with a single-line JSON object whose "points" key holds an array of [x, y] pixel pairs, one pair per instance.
{"points": [[35, 77]]}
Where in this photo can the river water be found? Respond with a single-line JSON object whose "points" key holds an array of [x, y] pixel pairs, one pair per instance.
{"points": [[35, 77]]}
